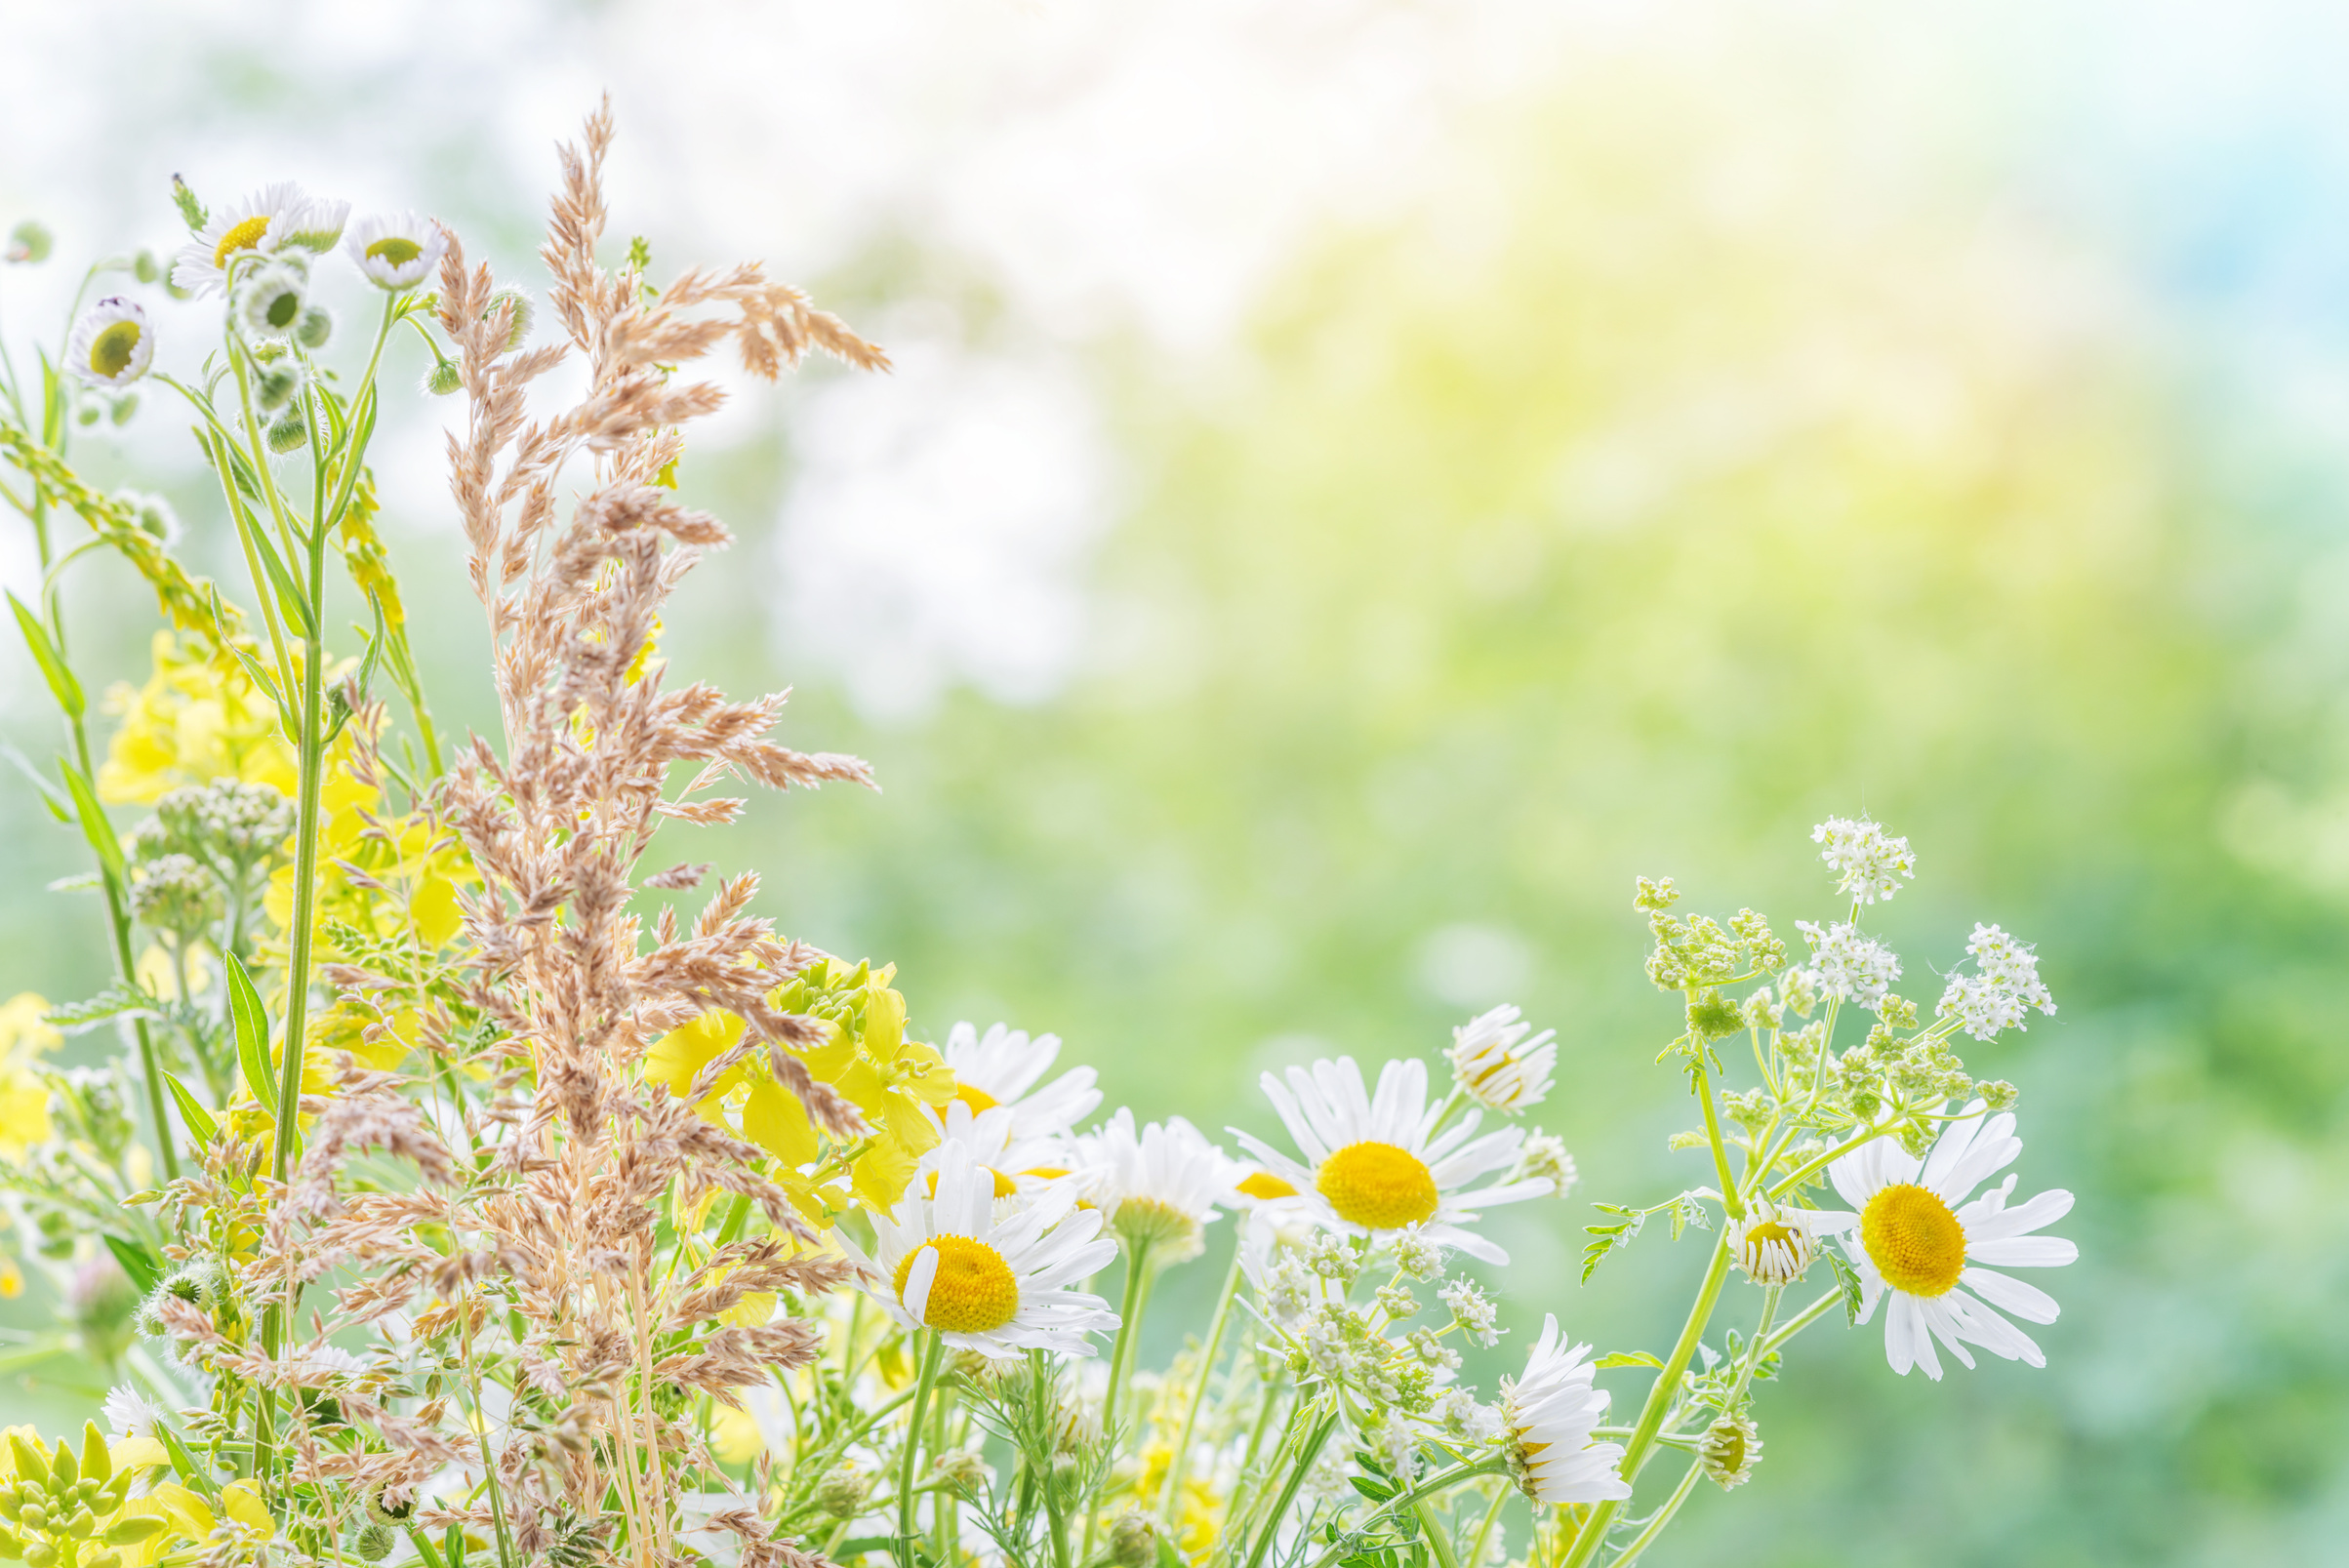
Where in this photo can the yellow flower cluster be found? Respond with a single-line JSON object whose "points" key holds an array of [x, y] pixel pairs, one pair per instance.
{"points": [[868, 1058], [196, 719], [23, 1099]]}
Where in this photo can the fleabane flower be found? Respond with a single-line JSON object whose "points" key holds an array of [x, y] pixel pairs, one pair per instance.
{"points": [[997, 1286], [1374, 1165], [111, 344], [316, 226], [396, 250], [1548, 1414], [1497, 1067], [1003, 1069], [2004, 992], [1158, 1186], [258, 225], [271, 298], [1914, 1237], [1846, 964], [1868, 863]]}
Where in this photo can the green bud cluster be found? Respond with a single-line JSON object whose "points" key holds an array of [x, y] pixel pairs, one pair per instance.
{"points": [[56, 1510]]}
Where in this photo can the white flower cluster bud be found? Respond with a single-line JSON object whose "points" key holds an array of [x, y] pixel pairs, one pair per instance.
{"points": [[1868, 862], [2002, 996], [1473, 1311], [1846, 964]]}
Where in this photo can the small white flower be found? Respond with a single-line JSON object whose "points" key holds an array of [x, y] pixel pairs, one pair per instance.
{"points": [[1497, 1067], [1914, 1236], [1846, 964], [1159, 1186], [1868, 863], [1473, 1311], [998, 1287], [1004, 1069], [1545, 1155], [130, 1413], [270, 301], [111, 344], [258, 225], [396, 250], [1397, 1445], [1463, 1416], [316, 226], [2002, 996], [1548, 1414], [1774, 1245], [1374, 1165]]}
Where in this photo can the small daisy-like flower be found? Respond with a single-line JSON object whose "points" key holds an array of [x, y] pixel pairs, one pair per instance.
{"points": [[1846, 964], [2002, 996], [111, 344], [271, 300], [130, 1413], [1497, 1067], [1729, 1450], [316, 226], [1545, 1155], [1548, 1414], [1159, 1186], [1016, 1165], [1868, 863], [1376, 1165], [1914, 1238], [258, 225], [998, 1287], [396, 250], [1004, 1068], [1774, 1245]]}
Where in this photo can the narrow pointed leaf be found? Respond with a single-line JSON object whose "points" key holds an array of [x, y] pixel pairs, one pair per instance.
{"points": [[61, 684], [252, 1035]]}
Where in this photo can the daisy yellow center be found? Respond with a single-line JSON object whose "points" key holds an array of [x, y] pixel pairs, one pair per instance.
{"points": [[396, 249], [1003, 1184], [978, 1099], [974, 1291], [242, 236], [111, 351], [1914, 1239], [1265, 1185], [1377, 1185]]}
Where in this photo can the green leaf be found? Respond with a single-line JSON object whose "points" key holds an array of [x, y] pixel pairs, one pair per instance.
{"points": [[252, 1035], [192, 1111], [1849, 1278], [1627, 1359], [60, 806], [79, 881], [94, 826], [117, 1000], [1375, 1490], [61, 684], [137, 1261], [289, 598]]}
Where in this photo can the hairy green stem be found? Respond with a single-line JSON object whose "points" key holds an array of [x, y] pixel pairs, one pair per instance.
{"points": [[1655, 1527], [931, 1354], [1121, 1362], [1171, 1504]]}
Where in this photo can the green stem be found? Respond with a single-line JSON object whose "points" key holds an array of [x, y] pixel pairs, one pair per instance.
{"points": [[1659, 1402], [1288, 1491], [1179, 1462], [1412, 1497], [931, 1354], [1812, 1167], [1655, 1527], [1801, 1321], [1721, 1154], [1440, 1539], [1476, 1548], [1122, 1359]]}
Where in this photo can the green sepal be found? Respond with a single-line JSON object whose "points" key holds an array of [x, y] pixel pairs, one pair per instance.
{"points": [[32, 1459], [133, 1530], [62, 1471]]}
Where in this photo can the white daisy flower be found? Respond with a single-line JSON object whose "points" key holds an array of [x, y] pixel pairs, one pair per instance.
{"points": [[1019, 1166], [270, 298], [260, 224], [1158, 1186], [111, 344], [1497, 1067], [1914, 1236], [316, 226], [130, 1413], [396, 250], [998, 1287], [1774, 1245], [1374, 1165], [1548, 1414], [1004, 1068]]}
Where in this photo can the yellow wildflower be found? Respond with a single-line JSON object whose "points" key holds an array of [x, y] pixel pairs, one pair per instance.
{"points": [[733, 1435], [23, 1096], [196, 719]]}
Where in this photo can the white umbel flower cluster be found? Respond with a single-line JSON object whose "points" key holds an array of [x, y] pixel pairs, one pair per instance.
{"points": [[1846, 964], [1868, 863], [2004, 992], [1497, 1067]]}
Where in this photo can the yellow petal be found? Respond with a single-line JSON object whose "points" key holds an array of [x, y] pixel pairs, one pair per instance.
{"points": [[776, 1121], [242, 1498]]}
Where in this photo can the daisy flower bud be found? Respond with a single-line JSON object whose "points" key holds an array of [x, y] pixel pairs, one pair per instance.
{"points": [[1730, 1449], [111, 344], [316, 328], [153, 512], [124, 407], [1134, 1539], [373, 1542], [1772, 1246], [842, 1491], [1544, 1155], [1497, 1067], [28, 244], [396, 250], [277, 385], [289, 434], [443, 378], [525, 311], [269, 303], [146, 266]]}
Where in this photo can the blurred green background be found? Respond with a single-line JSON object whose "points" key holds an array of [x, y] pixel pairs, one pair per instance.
{"points": [[1365, 482]]}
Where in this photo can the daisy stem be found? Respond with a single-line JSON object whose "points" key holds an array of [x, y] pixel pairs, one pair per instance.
{"points": [[1171, 1504], [1121, 1365], [1801, 1321], [1659, 1401], [1288, 1492], [1412, 1497], [932, 1352], [1759, 1348], [1655, 1527], [1721, 1152], [1476, 1548], [1812, 1167]]}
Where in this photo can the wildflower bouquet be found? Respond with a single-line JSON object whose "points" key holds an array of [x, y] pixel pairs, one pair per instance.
{"points": [[449, 1196]]}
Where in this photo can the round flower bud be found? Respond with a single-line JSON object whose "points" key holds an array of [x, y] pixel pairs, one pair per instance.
{"points": [[28, 243], [1773, 1246], [525, 310], [373, 1542], [146, 266], [271, 301], [124, 407], [842, 1491], [289, 434], [277, 385], [1730, 1451], [315, 328], [443, 379], [154, 514], [1134, 1539]]}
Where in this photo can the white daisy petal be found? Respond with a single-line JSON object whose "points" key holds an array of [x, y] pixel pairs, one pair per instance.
{"points": [[2042, 1209], [111, 344], [2025, 1301], [2026, 1252], [1548, 1414], [1004, 1068]]}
